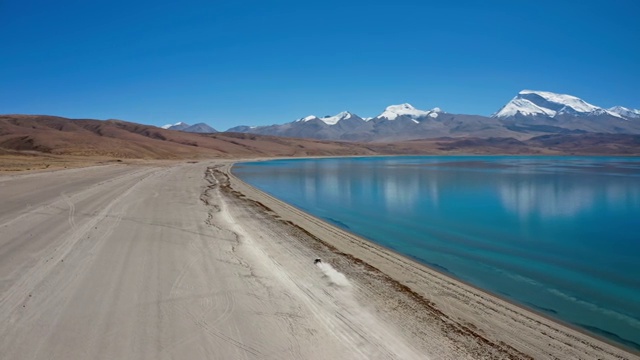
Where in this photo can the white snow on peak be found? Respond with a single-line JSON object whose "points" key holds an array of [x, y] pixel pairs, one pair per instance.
{"points": [[600, 111], [626, 112], [524, 107], [393, 111], [367, 118], [573, 102], [435, 112], [170, 125], [332, 120], [544, 103], [329, 120]]}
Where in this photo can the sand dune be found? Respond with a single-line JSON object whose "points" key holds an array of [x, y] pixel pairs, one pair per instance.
{"points": [[184, 261]]}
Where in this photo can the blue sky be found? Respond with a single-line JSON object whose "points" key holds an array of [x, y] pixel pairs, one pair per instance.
{"points": [[229, 63]]}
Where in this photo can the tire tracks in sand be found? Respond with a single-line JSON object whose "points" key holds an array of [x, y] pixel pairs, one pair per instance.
{"points": [[331, 308]]}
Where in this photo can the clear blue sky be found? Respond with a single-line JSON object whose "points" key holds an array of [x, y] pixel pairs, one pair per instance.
{"points": [[229, 63]]}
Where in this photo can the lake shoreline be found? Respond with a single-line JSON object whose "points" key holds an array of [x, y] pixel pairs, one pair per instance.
{"points": [[480, 312]]}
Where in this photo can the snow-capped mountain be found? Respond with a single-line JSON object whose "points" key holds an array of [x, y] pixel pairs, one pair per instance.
{"points": [[330, 120], [396, 122], [177, 126], [548, 104], [624, 112], [530, 113], [197, 128], [543, 112], [394, 111]]}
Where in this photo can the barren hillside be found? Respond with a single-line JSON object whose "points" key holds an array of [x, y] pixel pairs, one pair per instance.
{"points": [[37, 141]]}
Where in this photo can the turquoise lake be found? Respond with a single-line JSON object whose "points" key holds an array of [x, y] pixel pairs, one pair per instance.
{"points": [[560, 235]]}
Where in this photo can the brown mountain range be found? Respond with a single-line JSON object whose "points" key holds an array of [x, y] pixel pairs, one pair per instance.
{"points": [[38, 139]]}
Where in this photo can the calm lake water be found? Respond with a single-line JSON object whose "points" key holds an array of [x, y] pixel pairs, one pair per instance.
{"points": [[560, 235]]}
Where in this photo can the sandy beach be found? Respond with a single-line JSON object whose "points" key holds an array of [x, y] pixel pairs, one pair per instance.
{"points": [[185, 261]]}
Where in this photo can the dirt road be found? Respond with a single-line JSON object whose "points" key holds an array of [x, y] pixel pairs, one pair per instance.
{"points": [[125, 262]]}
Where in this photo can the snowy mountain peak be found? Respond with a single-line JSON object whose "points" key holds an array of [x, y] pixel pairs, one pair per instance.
{"points": [[180, 123], [544, 103], [563, 101], [307, 118], [393, 111], [329, 120], [625, 112], [197, 128], [435, 112], [332, 120]]}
